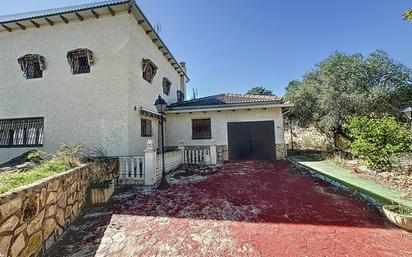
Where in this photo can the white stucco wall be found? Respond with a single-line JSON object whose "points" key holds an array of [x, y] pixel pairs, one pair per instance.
{"points": [[179, 126], [92, 109]]}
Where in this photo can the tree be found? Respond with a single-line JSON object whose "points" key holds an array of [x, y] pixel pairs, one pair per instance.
{"points": [[259, 91], [345, 85], [408, 15]]}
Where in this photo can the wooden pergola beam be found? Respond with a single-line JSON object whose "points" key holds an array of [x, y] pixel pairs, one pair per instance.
{"points": [[35, 23], [111, 11], [79, 16], [21, 26], [50, 22], [64, 19], [7, 28], [96, 15]]}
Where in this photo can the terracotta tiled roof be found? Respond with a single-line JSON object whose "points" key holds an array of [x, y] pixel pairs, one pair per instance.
{"points": [[229, 99]]}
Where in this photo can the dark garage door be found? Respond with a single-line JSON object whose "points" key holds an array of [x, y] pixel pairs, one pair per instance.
{"points": [[251, 140]]}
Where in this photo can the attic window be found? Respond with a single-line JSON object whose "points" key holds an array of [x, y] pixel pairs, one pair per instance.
{"points": [[149, 70], [166, 86], [32, 66], [80, 60], [180, 96]]}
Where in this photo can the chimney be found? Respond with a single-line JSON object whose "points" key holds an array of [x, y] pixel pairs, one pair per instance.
{"points": [[183, 79]]}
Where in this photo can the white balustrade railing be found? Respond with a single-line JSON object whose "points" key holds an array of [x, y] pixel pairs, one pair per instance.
{"points": [[197, 155], [131, 170]]}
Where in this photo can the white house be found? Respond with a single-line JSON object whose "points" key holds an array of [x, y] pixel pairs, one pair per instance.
{"points": [[89, 74]]}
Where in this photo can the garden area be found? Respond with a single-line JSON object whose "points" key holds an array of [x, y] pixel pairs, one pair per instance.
{"points": [[352, 122]]}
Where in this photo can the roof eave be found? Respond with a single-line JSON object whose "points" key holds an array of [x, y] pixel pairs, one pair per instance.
{"points": [[227, 107]]}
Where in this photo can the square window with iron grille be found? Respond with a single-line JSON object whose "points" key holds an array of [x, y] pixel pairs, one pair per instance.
{"points": [[21, 132], [80, 60], [201, 129], [149, 70], [146, 127], [166, 86], [32, 66]]}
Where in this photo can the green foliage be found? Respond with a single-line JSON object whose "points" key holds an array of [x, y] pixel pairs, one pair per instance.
{"points": [[378, 139], [403, 210], [65, 159], [101, 184], [345, 85], [36, 156], [259, 91], [408, 15]]}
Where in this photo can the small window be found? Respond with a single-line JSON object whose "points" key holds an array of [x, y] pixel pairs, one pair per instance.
{"points": [[201, 129], [146, 127], [80, 60], [32, 66], [149, 70], [166, 86], [180, 96], [21, 132]]}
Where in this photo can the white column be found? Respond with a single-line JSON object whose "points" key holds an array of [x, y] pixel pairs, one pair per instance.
{"points": [[213, 152], [181, 148], [150, 160]]}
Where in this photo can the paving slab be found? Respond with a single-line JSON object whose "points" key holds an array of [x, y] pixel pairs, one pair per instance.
{"points": [[250, 208]]}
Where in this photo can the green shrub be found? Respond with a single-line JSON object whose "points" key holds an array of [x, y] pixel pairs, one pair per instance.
{"points": [[376, 140], [36, 156]]}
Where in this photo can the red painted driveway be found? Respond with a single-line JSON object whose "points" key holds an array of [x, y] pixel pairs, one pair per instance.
{"points": [[244, 209]]}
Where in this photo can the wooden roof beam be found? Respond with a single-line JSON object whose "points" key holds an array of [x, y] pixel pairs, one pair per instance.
{"points": [[21, 26], [111, 11], [50, 22], [129, 8], [140, 22], [7, 28], [79, 16], [149, 31], [64, 19], [35, 23], [96, 15], [155, 40]]}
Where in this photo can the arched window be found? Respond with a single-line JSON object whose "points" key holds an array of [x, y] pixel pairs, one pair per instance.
{"points": [[80, 60], [32, 65]]}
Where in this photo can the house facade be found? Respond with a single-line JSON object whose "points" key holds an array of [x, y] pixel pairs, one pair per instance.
{"points": [[89, 74]]}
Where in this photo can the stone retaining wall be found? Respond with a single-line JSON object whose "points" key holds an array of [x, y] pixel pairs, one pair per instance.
{"points": [[32, 218]]}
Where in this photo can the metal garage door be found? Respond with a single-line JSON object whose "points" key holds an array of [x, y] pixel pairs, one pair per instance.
{"points": [[251, 140]]}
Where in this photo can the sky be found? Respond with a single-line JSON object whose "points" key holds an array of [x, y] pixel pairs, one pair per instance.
{"points": [[231, 46]]}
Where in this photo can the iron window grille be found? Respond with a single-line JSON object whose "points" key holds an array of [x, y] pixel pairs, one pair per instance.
{"points": [[180, 96], [32, 66], [80, 60], [146, 127], [21, 132], [166, 86], [149, 70], [201, 129]]}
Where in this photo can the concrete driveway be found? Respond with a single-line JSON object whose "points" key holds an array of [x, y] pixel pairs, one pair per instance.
{"points": [[251, 208]]}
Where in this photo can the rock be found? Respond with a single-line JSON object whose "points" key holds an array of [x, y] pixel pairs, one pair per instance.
{"points": [[31, 207], [35, 224], [62, 200], [48, 227], [52, 198], [76, 209], [7, 209], [71, 200], [69, 210], [43, 196], [4, 245], [20, 229], [18, 245], [73, 188], [33, 244], [51, 210], [53, 186], [59, 231], [10, 224], [60, 217]]}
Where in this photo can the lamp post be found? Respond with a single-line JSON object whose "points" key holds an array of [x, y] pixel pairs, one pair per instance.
{"points": [[408, 114], [161, 104]]}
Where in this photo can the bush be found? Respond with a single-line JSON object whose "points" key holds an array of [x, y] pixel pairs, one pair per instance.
{"points": [[377, 140]]}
